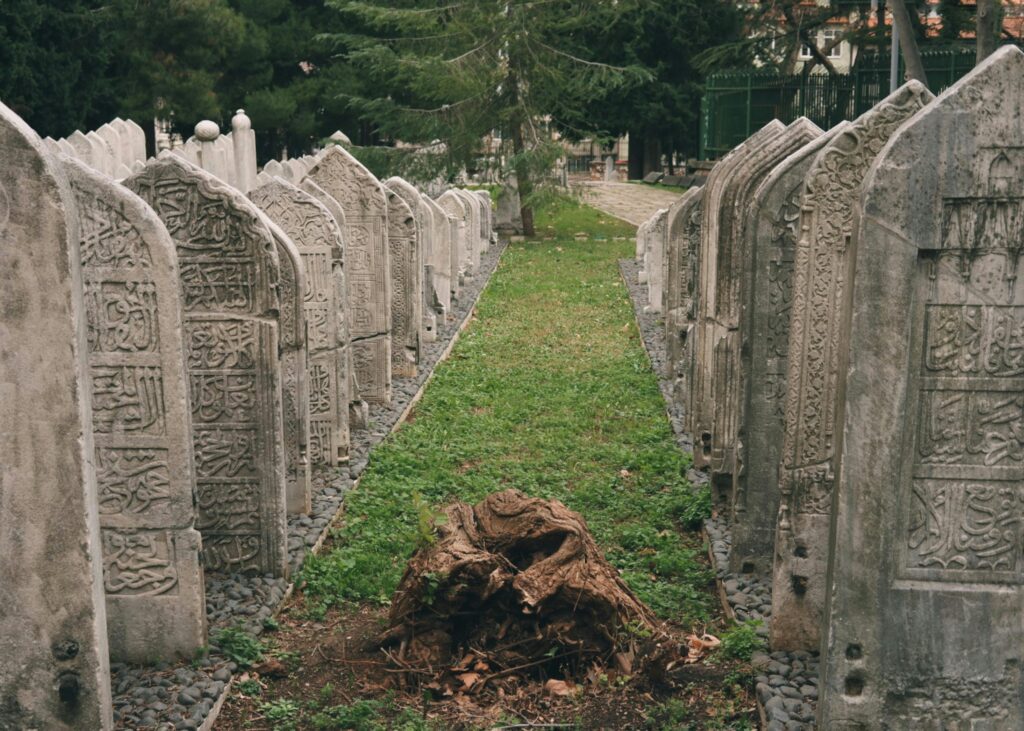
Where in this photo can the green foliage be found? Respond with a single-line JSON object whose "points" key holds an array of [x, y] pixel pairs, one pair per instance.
{"points": [[282, 714], [548, 391], [239, 646], [251, 688], [370, 715], [741, 641]]}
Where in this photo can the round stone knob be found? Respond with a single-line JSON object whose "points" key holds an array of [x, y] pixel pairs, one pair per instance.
{"points": [[341, 138], [207, 131], [241, 122]]}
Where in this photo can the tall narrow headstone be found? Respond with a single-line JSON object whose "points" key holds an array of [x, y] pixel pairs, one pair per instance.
{"points": [[681, 290], [654, 260], [406, 292], [486, 219], [141, 423], [926, 584], [243, 138], [456, 209], [54, 671], [230, 274], [440, 262], [362, 198], [471, 255], [715, 208], [509, 215], [138, 141], [821, 276], [318, 237], [766, 299], [425, 314]]}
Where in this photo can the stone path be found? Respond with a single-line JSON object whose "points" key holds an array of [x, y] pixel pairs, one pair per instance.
{"points": [[632, 202]]}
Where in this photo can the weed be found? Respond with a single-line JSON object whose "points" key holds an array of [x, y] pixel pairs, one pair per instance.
{"points": [[239, 646], [251, 688], [741, 641], [270, 624], [282, 714]]}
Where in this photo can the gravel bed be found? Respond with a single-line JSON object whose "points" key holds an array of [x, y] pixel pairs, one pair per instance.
{"points": [[181, 695], [787, 682]]}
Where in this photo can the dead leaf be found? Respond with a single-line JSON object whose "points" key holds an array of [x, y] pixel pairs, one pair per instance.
{"points": [[559, 688], [468, 681]]}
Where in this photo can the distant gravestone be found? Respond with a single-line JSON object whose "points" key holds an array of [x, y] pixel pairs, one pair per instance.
{"points": [[706, 337], [654, 259], [926, 612], [820, 280], [440, 261], [55, 669], [610, 175], [509, 218], [473, 239], [367, 258], [426, 314], [230, 274], [681, 292], [653, 177], [486, 218], [317, 235], [766, 300], [406, 287], [358, 409], [141, 423], [675, 180], [454, 206]]}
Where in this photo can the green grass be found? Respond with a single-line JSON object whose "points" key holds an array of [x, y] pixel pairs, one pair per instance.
{"points": [[550, 392]]}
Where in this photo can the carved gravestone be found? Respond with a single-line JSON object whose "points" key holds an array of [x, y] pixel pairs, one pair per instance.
{"points": [[440, 262], [141, 423], [473, 243], [294, 372], [820, 279], [724, 261], [641, 248], [767, 294], [456, 208], [486, 218], [683, 242], [700, 413], [317, 236], [509, 215], [362, 198], [425, 314], [654, 260], [406, 287], [230, 274], [926, 584], [358, 410], [54, 667]]}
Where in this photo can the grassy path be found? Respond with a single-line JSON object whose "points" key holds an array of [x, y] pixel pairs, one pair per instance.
{"points": [[548, 391]]}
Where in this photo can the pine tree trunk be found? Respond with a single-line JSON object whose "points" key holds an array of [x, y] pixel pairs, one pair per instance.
{"points": [[908, 42], [525, 183], [636, 156], [986, 24]]}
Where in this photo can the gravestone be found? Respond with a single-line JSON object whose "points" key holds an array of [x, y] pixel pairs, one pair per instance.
{"points": [[509, 216], [610, 175], [317, 236], [294, 371], [715, 208], [653, 177], [243, 140], [926, 582], [54, 672], [141, 423], [473, 244], [641, 247], [230, 274], [820, 280], [406, 287], [654, 260], [486, 218], [358, 409], [766, 297], [730, 267], [681, 290], [440, 261], [424, 249], [362, 198], [675, 180], [454, 206]]}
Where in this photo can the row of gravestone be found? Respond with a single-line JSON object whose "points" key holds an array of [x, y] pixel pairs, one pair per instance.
{"points": [[174, 358], [845, 332]]}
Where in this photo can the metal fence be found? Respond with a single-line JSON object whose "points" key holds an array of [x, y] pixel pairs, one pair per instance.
{"points": [[738, 103]]}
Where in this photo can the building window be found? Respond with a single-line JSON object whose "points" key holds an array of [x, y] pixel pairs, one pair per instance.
{"points": [[829, 35]]}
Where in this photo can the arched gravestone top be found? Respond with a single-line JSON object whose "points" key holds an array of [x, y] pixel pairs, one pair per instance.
{"points": [[927, 577], [654, 260], [766, 298], [318, 237], [441, 258], [406, 292], [53, 630], [230, 275], [681, 290], [368, 265], [820, 299], [424, 256], [457, 208], [476, 213], [722, 260], [142, 426], [487, 219]]}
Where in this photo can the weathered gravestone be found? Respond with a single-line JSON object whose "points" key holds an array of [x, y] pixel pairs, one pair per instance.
{"points": [[766, 297], [609, 169], [653, 177], [486, 218], [316, 234], [509, 216], [141, 423], [473, 243], [654, 260], [440, 260], [820, 288], [426, 315], [723, 260], [362, 198], [925, 622], [54, 671], [294, 374], [406, 287], [358, 410], [38, 217], [681, 290], [456, 209], [230, 274], [640, 253], [700, 413]]}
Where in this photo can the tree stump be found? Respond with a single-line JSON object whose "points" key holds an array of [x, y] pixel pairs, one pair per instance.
{"points": [[519, 584]]}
